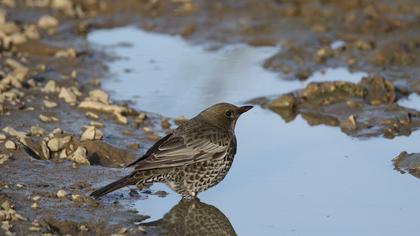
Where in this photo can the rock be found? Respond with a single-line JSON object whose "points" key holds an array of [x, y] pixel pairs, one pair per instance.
{"points": [[49, 104], [79, 156], [15, 65], [50, 87], [10, 145], [66, 53], [61, 193], [68, 96], [47, 119], [97, 124], [36, 198], [63, 154], [91, 133], [91, 115], [65, 5], [134, 146], [37, 131], [349, 124], [4, 158], [140, 118], [2, 137], [47, 22], [31, 32], [284, 101], [45, 150], [99, 95], [56, 131], [12, 132], [116, 110], [34, 205], [76, 198], [180, 120], [164, 122], [83, 228], [56, 144]]}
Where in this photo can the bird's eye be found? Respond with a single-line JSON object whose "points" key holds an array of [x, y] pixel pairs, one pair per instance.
{"points": [[228, 114]]}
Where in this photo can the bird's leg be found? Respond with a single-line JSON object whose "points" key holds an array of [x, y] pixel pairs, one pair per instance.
{"points": [[190, 197]]}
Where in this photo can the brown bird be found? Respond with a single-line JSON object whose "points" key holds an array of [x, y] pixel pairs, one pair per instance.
{"points": [[192, 158], [192, 217]]}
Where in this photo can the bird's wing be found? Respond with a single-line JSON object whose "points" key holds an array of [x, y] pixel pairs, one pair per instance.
{"points": [[151, 150], [179, 150]]}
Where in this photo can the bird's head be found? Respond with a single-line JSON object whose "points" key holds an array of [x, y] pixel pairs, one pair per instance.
{"points": [[223, 115]]}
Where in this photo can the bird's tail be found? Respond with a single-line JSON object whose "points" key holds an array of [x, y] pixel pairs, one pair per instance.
{"points": [[128, 180]]}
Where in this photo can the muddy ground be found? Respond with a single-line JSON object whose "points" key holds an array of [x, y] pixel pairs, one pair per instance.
{"points": [[60, 133]]}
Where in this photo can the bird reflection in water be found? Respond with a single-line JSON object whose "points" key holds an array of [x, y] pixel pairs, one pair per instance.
{"points": [[192, 217]]}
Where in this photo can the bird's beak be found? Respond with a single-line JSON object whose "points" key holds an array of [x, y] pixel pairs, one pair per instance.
{"points": [[244, 109]]}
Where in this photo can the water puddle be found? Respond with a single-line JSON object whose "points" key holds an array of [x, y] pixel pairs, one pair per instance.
{"points": [[287, 179], [413, 102], [171, 77]]}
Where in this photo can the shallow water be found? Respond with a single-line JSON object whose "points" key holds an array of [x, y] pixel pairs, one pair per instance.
{"points": [[287, 179], [171, 77], [413, 101]]}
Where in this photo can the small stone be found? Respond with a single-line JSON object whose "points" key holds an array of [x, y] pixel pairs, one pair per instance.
{"points": [[98, 106], [50, 87], [79, 156], [97, 124], [66, 53], [10, 145], [99, 95], [180, 119], [68, 96], [153, 137], [34, 229], [45, 150], [12, 132], [140, 118], [61, 193], [95, 82], [47, 22], [91, 133], [83, 228], [76, 198], [2, 136], [91, 115], [63, 154], [165, 123], [49, 104], [37, 131], [62, 4], [73, 74], [47, 119], [134, 146], [349, 124], [3, 158], [34, 205], [36, 198], [19, 186], [56, 144], [57, 131]]}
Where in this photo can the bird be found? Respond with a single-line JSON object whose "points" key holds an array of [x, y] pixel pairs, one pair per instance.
{"points": [[192, 217], [192, 158]]}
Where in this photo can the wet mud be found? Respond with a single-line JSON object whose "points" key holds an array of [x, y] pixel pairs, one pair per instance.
{"points": [[62, 136]]}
